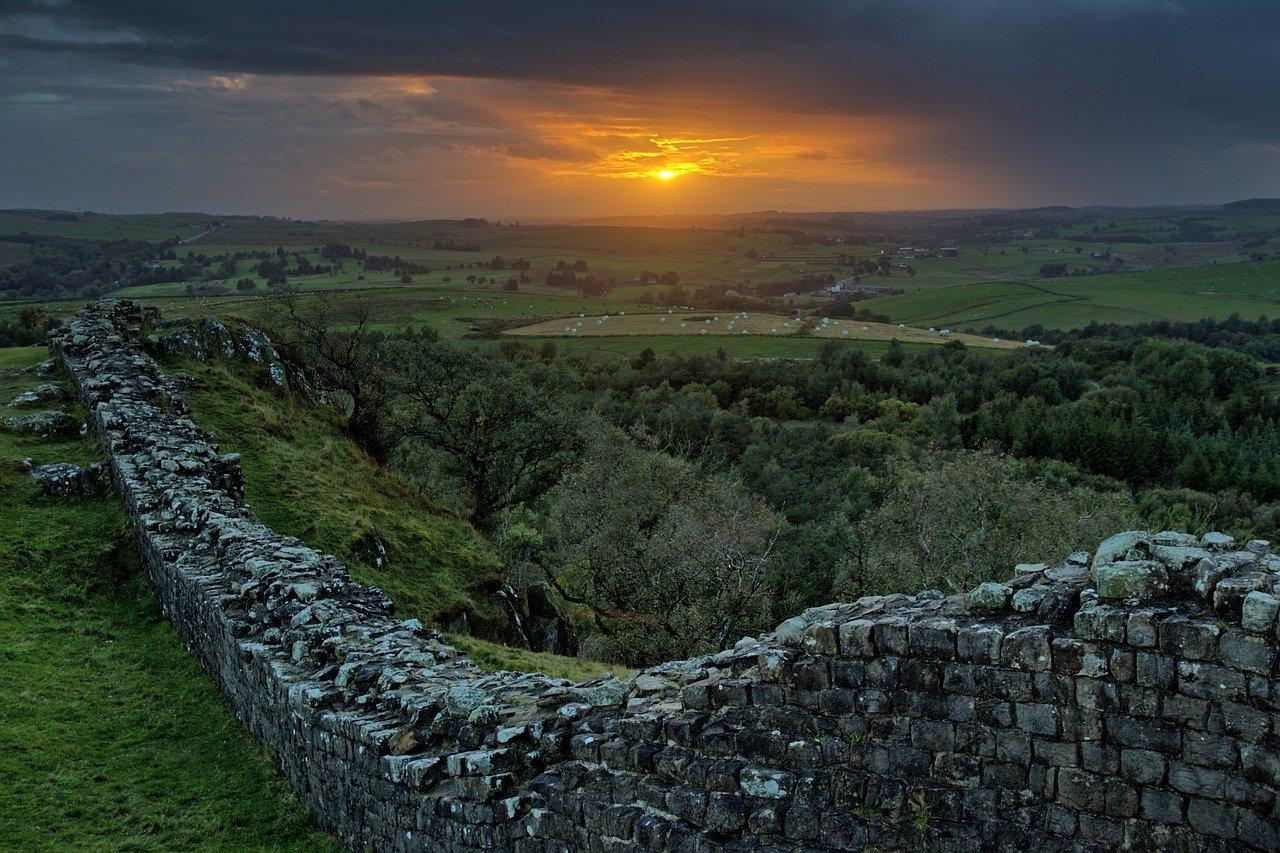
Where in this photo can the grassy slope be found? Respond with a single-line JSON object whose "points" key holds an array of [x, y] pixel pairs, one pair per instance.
{"points": [[113, 737], [303, 477]]}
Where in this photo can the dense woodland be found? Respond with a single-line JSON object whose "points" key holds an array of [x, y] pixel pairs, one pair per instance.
{"points": [[1259, 338], [65, 267], [676, 503]]}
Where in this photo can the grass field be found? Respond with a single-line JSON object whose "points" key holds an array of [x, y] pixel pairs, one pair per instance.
{"points": [[729, 327], [1174, 293], [113, 737]]}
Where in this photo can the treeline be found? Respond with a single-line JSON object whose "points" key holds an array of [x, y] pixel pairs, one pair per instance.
{"points": [[1258, 338], [66, 267]]}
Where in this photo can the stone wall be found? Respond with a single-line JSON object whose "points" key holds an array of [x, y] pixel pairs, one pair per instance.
{"points": [[1124, 698]]}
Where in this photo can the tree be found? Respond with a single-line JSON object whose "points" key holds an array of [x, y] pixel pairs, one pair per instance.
{"points": [[339, 343], [504, 439], [31, 318], [954, 520], [670, 278], [668, 560]]}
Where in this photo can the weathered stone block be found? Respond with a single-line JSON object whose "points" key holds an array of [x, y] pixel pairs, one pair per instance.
{"points": [[1101, 623], [890, 636], [933, 639], [1040, 719], [1246, 651], [1162, 806], [989, 596], [1258, 611], [1212, 817], [1027, 649], [1081, 791], [1131, 579], [1230, 593], [979, 643], [1192, 639], [1142, 734], [855, 638]]}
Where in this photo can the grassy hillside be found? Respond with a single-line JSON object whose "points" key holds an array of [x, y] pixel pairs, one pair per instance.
{"points": [[303, 477], [113, 736]]}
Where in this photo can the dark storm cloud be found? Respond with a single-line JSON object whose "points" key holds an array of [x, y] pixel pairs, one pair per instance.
{"points": [[1078, 99], [1216, 57]]}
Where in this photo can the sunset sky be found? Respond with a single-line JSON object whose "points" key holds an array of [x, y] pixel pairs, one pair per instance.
{"points": [[538, 109]]}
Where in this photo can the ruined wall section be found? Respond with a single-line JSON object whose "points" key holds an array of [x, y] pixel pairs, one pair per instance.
{"points": [[1124, 698]]}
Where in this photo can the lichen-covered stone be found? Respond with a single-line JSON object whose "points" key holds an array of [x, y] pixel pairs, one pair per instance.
{"points": [[1130, 545], [181, 343], [989, 596], [62, 479], [51, 424], [1027, 600], [1131, 579], [1218, 541], [1259, 610], [41, 395]]}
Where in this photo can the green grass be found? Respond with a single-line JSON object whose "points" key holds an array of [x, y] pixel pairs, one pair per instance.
{"points": [[495, 656], [749, 346], [1173, 293], [113, 736], [304, 478]]}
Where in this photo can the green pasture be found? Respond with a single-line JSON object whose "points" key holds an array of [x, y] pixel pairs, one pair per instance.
{"points": [[1175, 293], [738, 347]]}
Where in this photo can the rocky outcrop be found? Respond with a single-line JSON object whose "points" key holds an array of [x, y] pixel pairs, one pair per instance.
{"points": [[1125, 698], [41, 395], [210, 337], [62, 479], [51, 424]]}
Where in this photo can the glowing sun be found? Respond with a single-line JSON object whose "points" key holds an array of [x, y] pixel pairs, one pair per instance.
{"points": [[665, 174]]}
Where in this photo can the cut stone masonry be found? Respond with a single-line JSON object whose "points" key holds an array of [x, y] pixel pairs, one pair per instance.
{"points": [[1125, 698]]}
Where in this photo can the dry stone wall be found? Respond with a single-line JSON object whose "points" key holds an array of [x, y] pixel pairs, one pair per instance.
{"points": [[1125, 698]]}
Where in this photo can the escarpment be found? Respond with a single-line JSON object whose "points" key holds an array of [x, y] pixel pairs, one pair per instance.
{"points": [[1123, 698]]}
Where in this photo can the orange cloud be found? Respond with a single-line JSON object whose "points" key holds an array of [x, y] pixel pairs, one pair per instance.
{"points": [[499, 146]]}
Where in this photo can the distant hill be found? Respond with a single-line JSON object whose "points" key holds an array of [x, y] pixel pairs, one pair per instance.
{"points": [[1271, 205]]}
